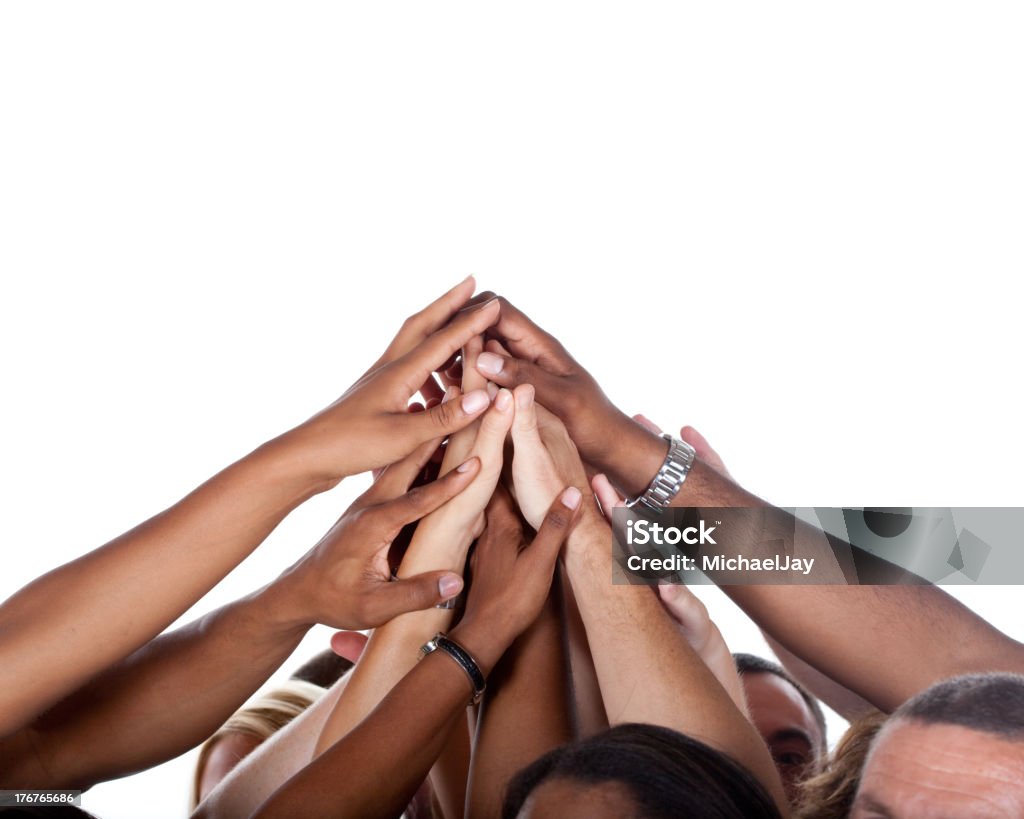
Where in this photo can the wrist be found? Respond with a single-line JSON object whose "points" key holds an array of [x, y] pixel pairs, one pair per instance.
{"points": [[635, 456], [281, 608], [485, 642], [307, 453]]}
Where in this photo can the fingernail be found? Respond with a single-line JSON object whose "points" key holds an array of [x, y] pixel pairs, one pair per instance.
{"points": [[490, 363], [492, 389], [475, 401], [524, 397], [449, 585], [464, 466], [571, 497], [503, 401], [449, 394]]}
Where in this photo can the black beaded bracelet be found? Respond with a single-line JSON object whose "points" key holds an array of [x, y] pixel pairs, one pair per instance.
{"points": [[462, 657]]}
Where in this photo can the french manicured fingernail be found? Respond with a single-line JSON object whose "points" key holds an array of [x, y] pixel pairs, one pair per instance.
{"points": [[524, 397], [449, 394], [492, 389], [475, 401], [489, 363], [464, 466], [449, 585], [503, 401], [571, 497]]}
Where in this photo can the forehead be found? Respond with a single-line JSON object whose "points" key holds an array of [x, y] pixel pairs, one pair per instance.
{"points": [[948, 771], [559, 798], [775, 705]]}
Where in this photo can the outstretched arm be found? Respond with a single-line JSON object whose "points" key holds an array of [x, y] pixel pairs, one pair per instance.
{"points": [[178, 689], [525, 712], [834, 628], [374, 770], [118, 597], [628, 628], [689, 612]]}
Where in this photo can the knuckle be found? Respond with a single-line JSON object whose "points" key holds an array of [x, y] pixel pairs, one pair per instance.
{"points": [[411, 323], [416, 498], [557, 519], [378, 521], [572, 401], [443, 415]]}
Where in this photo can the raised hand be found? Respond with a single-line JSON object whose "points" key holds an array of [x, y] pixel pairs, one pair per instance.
{"points": [[520, 352], [369, 426], [544, 457], [345, 581], [512, 578]]}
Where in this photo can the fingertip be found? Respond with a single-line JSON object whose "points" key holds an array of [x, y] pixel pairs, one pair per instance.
{"points": [[488, 310], [524, 394], [503, 400], [449, 585], [571, 498], [475, 402], [489, 364], [693, 437], [348, 645], [469, 465]]}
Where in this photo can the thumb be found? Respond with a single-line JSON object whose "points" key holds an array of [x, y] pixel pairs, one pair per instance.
{"points": [[423, 591], [450, 416]]}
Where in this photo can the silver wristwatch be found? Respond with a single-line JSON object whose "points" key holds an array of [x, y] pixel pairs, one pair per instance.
{"points": [[670, 477]]}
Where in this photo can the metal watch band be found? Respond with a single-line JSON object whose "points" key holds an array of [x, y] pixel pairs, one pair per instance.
{"points": [[462, 657], [670, 477]]}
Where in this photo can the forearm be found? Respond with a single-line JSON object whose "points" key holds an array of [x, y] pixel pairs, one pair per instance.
{"points": [[525, 712], [840, 699], [441, 542], [272, 764], [116, 598], [883, 642], [375, 769], [718, 659], [587, 708], [628, 629], [167, 697]]}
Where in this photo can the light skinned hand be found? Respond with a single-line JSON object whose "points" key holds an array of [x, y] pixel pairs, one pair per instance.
{"points": [[687, 610], [349, 645], [544, 459]]}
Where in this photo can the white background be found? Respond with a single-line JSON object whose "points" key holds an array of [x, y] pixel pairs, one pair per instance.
{"points": [[796, 226]]}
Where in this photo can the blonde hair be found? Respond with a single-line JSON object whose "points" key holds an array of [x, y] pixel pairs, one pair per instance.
{"points": [[830, 794], [260, 720]]}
